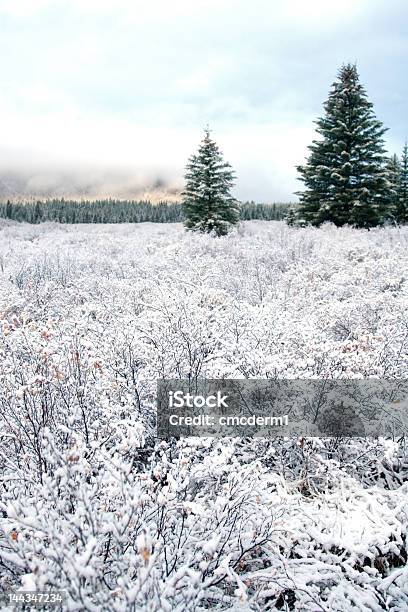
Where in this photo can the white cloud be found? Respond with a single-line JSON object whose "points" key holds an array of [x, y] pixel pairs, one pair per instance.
{"points": [[24, 8], [322, 12], [129, 84]]}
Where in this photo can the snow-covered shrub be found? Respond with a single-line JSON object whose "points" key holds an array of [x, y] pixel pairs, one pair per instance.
{"points": [[92, 503]]}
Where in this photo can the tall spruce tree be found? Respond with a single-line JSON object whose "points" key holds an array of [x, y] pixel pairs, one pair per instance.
{"points": [[207, 201], [402, 199], [345, 176]]}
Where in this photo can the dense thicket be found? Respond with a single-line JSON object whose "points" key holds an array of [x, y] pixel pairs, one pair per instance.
{"points": [[121, 211], [93, 504]]}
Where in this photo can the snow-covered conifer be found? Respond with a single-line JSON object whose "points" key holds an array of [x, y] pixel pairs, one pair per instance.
{"points": [[208, 204], [345, 176], [402, 200], [393, 174], [291, 216]]}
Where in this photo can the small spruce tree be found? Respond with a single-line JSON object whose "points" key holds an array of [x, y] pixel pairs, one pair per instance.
{"points": [[290, 218], [345, 176], [207, 201], [37, 212], [402, 199], [393, 167], [9, 210]]}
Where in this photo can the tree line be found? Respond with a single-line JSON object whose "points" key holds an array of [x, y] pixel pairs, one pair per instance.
{"points": [[122, 211]]}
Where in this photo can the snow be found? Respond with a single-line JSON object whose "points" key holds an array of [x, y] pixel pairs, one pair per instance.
{"points": [[92, 316]]}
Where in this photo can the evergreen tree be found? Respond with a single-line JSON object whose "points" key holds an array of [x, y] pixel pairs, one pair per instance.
{"points": [[393, 168], [37, 212], [207, 201], [291, 217], [402, 199], [9, 210], [345, 174]]}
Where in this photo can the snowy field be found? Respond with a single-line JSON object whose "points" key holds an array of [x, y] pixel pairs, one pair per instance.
{"points": [[91, 316]]}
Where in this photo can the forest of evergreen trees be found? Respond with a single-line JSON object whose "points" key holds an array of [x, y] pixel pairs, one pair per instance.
{"points": [[121, 211]]}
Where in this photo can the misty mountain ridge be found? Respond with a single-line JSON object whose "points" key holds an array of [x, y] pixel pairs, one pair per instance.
{"points": [[91, 186]]}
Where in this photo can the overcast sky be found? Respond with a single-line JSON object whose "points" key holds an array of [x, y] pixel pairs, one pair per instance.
{"points": [[123, 88]]}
